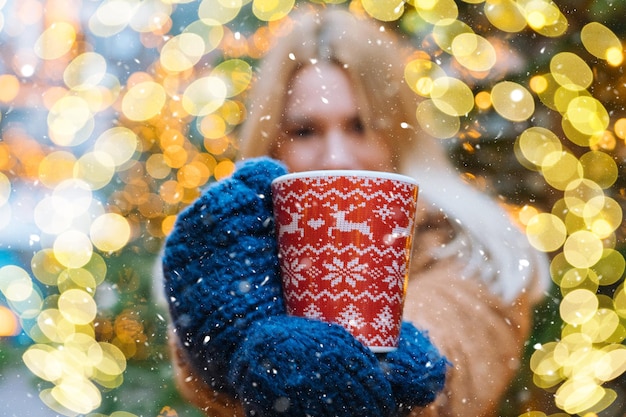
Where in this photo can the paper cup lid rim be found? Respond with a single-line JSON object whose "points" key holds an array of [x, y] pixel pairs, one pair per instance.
{"points": [[347, 173]]}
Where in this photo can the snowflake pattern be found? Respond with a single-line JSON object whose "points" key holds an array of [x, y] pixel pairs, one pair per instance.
{"points": [[293, 271], [350, 272], [343, 249], [396, 274]]}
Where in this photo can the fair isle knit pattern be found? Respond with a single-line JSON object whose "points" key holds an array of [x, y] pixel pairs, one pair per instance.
{"points": [[222, 282]]}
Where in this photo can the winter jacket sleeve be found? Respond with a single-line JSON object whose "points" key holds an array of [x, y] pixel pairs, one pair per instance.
{"points": [[481, 335]]}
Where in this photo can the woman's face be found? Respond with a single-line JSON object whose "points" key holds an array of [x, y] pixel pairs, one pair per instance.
{"points": [[322, 126]]}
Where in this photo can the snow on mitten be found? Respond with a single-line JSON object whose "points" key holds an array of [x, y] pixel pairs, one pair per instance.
{"points": [[221, 269], [297, 367], [416, 370]]}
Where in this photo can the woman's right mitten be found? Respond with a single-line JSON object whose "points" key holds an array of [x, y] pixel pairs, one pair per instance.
{"points": [[416, 370], [298, 367]]}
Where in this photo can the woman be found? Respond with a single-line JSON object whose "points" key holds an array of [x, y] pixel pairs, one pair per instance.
{"points": [[331, 95]]}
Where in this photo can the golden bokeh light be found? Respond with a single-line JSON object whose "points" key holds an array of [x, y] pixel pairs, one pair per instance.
{"points": [[506, 15], [537, 146], [421, 74], [56, 167], [55, 41], [583, 196], [224, 169], [9, 87], [111, 17], [151, 16], [73, 248], [435, 122], [15, 283], [546, 232], [128, 142], [70, 121], [9, 325], [54, 327], [270, 10], [432, 11], [236, 75], [77, 306], [5, 189], [204, 95], [385, 10], [587, 115], [144, 101], [446, 31], [157, 167], [599, 167], [610, 268], [208, 28], [95, 168], [578, 307], [85, 71], [512, 101], [80, 278], [571, 71], [601, 42], [561, 168], [583, 249], [474, 52], [182, 52], [120, 143], [109, 232], [452, 96], [219, 11]]}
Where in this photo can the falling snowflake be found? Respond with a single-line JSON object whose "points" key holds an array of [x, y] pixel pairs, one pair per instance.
{"points": [[350, 273], [351, 318]]}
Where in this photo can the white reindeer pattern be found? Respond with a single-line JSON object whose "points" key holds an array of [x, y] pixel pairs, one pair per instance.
{"points": [[343, 225], [293, 226]]}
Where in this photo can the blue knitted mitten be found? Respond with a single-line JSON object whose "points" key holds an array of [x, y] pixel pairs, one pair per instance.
{"points": [[223, 285]]}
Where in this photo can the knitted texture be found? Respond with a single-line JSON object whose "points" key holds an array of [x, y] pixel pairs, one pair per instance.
{"points": [[221, 270], [222, 282], [415, 370], [302, 367]]}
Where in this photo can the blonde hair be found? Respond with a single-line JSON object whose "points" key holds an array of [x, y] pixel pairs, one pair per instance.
{"points": [[374, 60]]}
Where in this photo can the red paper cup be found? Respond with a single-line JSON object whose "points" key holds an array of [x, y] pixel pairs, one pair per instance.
{"points": [[344, 241]]}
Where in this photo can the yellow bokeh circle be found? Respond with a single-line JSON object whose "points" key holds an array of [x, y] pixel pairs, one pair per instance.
{"points": [[583, 249], [73, 249], [144, 101], [77, 306], [110, 232], [546, 232], [578, 306]]}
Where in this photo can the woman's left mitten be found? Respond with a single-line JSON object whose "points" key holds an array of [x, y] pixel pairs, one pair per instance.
{"points": [[220, 267]]}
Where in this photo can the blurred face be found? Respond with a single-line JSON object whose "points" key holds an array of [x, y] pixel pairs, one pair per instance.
{"points": [[322, 127]]}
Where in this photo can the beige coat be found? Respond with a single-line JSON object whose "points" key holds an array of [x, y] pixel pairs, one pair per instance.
{"points": [[480, 334]]}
